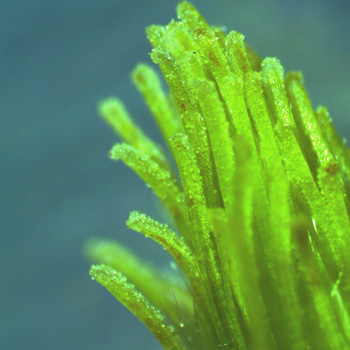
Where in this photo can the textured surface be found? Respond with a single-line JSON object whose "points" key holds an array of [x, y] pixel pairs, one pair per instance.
{"points": [[57, 60]]}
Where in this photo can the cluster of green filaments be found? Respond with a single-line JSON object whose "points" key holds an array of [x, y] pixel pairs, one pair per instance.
{"points": [[261, 209]]}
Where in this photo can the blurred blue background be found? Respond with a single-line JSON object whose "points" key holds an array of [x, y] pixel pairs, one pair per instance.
{"points": [[58, 59]]}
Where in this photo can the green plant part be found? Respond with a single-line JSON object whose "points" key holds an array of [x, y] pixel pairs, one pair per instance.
{"points": [[262, 208]]}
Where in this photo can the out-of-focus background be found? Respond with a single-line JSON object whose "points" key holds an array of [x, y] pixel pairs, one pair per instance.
{"points": [[58, 59]]}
